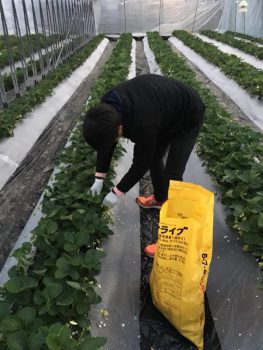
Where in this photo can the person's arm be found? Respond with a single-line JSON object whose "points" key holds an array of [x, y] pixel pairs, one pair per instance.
{"points": [[102, 167], [142, 158], [104, 159]]}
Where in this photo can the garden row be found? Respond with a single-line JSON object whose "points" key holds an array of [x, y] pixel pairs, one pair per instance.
{"points": [[250, 78], [246, 37], [232, 152], [228, 39], [7, 78], [244, 74], [45, 303], [36, 42], [38, 94]]}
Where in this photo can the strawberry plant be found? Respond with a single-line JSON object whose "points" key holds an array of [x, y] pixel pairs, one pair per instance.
{"points": [[8, 82], [233, 154], [246, 37], [247, 47], [38, 94], [244, 74], [26, 45], [45, 303]]}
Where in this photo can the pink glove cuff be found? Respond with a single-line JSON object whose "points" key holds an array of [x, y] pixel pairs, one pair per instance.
{"points": [[101, 175], [118, 192]]}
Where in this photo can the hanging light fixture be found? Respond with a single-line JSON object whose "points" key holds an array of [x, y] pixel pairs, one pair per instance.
{"points": [[243, 6]]}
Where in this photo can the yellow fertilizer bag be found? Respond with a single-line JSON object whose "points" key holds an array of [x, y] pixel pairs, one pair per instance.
{"points": [[181, 263]]}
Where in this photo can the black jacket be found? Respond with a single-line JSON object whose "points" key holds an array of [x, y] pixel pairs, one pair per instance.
{"points": [[151, 107]]}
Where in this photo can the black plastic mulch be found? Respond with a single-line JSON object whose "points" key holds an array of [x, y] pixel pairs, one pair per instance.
{"points": [[156, 332]]}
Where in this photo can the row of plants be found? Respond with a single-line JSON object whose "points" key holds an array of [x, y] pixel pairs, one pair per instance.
{"points": [[245, 46], [244, 74], [16, 110], [45, 303], [7, 78], [232, 152], [16, 55], [246, 37]]}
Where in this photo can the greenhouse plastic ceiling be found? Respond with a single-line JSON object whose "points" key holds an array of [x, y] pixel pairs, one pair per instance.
{"points": [[139, 16]]}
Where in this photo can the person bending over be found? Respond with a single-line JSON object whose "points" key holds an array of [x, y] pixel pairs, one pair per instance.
{"points": [[158, 114]]}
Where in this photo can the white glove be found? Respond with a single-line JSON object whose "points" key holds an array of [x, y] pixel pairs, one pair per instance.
{"points": [[110, 200], [96, 187]]}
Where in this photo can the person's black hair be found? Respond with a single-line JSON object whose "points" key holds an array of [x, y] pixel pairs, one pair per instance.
{"points": [[100, 127]]}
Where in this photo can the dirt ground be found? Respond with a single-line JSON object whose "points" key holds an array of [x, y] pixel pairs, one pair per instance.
{"points": [[20, 195]]}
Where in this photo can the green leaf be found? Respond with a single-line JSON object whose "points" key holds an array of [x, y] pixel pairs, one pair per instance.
{"points": [[93, 343], [4, 310], [52, 291], [36, 340], [17, 341], [51, 226], [27, 315], [18, 284], [260, 221], [74, 285], [11, 324], [92, 259]]}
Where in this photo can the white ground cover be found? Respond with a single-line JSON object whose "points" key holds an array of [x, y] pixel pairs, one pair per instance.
{"points": [[252, 60], [251, 106], [14, 149]]}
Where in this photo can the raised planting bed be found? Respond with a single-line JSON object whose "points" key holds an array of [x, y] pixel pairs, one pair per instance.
{"points": [[248, 77], [18, 108], [246, 37], [46, 301], [245, 46], [233, 154]]}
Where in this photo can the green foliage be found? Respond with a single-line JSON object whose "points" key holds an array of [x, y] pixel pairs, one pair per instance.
{"points": [[7, 77], [245, 46], [15, 112], [247, 76], [232, 152], [247, 37], [45, 303], [13, 42]]}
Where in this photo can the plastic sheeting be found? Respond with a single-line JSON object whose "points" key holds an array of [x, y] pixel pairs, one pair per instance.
{"points": [[7, 6], [139, 16], [120, 273], [233, 51], [14, 149], [235, 302], [251, 106], [247, 23]]}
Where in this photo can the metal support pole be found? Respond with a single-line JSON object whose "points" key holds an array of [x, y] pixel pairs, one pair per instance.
{"points": [[44, 33], [2, 92], [236, 17], [197, 3], [31, 48], [160, 5], [54, 45], [124, 8], [39, 49], [93, 27], [20, 45], [9, 50]]}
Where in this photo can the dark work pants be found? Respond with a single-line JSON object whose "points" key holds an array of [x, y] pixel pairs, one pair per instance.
{"points": [[179, 149]]}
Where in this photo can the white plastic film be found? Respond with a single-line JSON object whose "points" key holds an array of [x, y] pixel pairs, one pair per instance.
{"points": [[251, 106], [250, 22], [139, 16], [17, 147], [252, 60]]}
